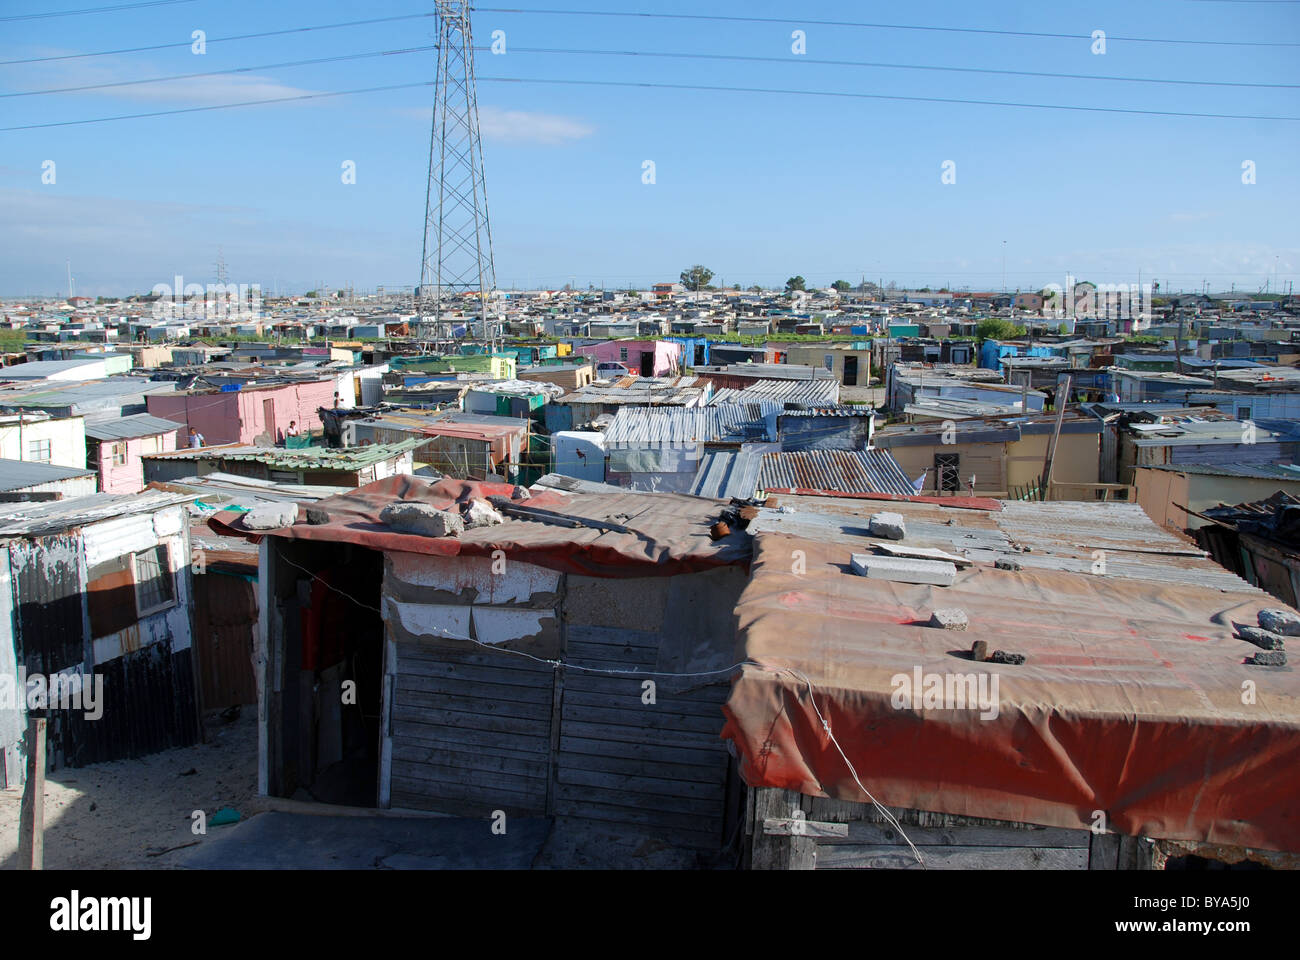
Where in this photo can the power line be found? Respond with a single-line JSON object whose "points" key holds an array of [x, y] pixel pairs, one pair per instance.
{"points": [[883, 96], [220, 106], [74, 13], [877, 26], [643, 54], [218, 73], [895, 66], [662, 86], [211, 40]]}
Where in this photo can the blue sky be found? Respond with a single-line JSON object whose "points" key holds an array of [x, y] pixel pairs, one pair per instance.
{"points": [[756, 186]]}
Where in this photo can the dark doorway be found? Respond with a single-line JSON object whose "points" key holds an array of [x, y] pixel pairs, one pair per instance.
{"points": [[850, 371], [333, 684], [647, 363]]}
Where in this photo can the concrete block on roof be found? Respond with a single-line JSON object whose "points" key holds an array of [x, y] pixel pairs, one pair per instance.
{"points": [[904, 570], [888, 526], [953, 618], [271, 516], [1276, 620], [1264, 639], [422, 519], [482, 514]]}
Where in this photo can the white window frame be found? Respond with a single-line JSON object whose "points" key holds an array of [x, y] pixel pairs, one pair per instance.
{"points": [[48, 446], [140, 609], [113, 454]]}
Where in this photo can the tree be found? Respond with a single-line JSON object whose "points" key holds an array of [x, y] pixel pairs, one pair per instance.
{"points": [[795, 283], [842, 285], [696, 278], [755, 289], [996, 328]]}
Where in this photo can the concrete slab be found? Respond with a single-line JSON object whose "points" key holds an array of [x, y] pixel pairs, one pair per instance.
{"points": [[289, 841], [901, 570]]}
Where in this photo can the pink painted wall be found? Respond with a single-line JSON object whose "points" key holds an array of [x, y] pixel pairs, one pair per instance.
{"points": [[240, 416], [667, 354], [128, 477]]}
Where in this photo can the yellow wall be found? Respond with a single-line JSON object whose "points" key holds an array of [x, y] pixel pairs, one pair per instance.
{"points": [[1159, 490], [999, 466]]}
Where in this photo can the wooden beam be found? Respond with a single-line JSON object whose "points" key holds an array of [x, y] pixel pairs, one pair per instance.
{"points": [[800, 827], [779, 852], [31, 820]]}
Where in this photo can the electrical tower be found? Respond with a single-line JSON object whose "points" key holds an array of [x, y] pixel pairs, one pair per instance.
{"points": [[457, 255]]}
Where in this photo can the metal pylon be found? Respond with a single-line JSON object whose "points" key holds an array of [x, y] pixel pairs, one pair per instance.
{"points": [[457, 255]]}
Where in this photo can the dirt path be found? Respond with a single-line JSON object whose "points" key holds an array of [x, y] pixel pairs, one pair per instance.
{"points": [[113, 815]]}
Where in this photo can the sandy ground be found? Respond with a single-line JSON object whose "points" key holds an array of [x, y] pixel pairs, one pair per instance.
{"points": [[136, 814], [123, 814]]}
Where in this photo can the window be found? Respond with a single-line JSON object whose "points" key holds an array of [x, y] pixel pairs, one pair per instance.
{"points": [[1243, 413], [622, 353], [155, 587], [38, 451], [947, 468], [119, 454]]}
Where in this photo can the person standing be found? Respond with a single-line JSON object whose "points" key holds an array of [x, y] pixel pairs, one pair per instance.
{"points": [[196, 439]]}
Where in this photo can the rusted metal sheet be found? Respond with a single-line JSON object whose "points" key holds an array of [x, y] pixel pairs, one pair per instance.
{"points": [[48, 631], [225, 627]]}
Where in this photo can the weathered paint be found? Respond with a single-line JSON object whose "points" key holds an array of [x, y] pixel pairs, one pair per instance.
{"points": [[471, 579]]}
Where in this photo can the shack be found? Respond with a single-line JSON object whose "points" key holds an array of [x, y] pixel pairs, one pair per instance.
{"points": [[559, 663], [1068, 696], [96, 591]]}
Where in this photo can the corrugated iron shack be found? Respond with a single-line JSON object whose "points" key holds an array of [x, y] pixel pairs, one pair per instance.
{"points": [[571, 661], [99, 585]]}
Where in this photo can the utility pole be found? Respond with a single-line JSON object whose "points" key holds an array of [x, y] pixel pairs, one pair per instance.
{"points": [[457, 254]]}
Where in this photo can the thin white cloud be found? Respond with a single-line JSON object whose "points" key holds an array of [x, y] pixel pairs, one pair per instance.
{"points": [[199, 91], [521, 126]]}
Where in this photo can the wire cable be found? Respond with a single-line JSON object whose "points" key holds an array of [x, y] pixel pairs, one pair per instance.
{"points": [[894, 66], [718, 18], [212, 40], [656, 55], [219, 73], [657, 86], [74, 13]]}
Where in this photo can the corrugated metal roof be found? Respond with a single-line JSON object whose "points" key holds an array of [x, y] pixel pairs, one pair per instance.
{"points": [[39, 519], [347, 458], [20, 474], [1259, 471], [1194, 433], [835, 471], [797, 392], [724, 474], [139, 425], [54, 394], [654, 426]]}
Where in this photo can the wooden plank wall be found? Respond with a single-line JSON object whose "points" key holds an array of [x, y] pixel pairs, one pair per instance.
{"points": [[475, 730], [945, 841], [657, 765], [470, 731]]}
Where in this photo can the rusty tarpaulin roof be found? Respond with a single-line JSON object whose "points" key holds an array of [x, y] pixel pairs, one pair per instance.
{"points": [[665, 533], [1131, 700]]}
